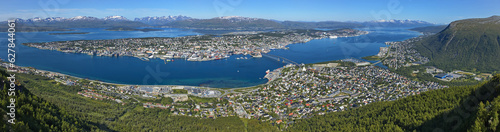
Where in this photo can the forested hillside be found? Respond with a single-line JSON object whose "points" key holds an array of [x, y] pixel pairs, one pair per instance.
{"points": [[34, 113], [470, 44], [44, 105]]}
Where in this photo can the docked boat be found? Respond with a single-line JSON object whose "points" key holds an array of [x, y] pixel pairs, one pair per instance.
{"points": [[193, 59], [144, 58]]}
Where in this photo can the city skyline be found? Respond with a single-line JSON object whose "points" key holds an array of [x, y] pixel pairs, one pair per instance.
{"points": [[430, 11]]}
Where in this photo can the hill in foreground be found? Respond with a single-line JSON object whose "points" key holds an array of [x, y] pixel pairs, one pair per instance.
{"points": [[45, 105], [465, 108]]}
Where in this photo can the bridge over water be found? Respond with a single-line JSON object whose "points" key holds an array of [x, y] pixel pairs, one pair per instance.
{"points": [[377, 62], [279, 58]]}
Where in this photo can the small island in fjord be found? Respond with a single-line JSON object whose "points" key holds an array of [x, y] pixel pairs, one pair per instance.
{"points": [[68, 33]]}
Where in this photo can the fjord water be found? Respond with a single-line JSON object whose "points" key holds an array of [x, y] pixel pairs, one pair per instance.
{"points": [[227, 73]]}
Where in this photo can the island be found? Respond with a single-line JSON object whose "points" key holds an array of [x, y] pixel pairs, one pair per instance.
{"points": [[195, 48], [132, 29]]}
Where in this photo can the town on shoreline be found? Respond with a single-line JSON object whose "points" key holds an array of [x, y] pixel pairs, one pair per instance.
{"points": [[195, 48]]}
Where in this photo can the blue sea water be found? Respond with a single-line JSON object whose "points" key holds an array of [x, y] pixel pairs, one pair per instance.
{"points": [[226, 73]]}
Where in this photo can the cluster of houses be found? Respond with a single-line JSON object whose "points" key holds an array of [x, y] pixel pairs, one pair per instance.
{"points": [[305, 91], [403, 54], [91, 94]]}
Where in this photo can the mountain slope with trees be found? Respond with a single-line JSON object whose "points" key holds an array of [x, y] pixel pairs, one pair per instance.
{"points": [[34, 113], [470, 44], [45, 105]]}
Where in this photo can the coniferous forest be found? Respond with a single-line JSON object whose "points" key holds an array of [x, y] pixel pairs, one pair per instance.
{"points": [[43, 106]]}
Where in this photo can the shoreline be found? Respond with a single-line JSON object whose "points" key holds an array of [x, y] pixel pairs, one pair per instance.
{"points": [[166, 85], [119, 84], [235, 88]]}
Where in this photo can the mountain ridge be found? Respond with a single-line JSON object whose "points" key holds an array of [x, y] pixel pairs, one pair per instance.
{"points": [[216, 23], [397, 23], [161, 20]]}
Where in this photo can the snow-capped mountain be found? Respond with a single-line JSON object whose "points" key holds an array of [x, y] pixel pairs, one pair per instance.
{"points": [[237, 18], [116, 18], [397, 23], [81, 18], [77, 18], [171, 18], [38, 19], [402, 21], [161, 20], [225, 22], [52, 19], [60, 23]]}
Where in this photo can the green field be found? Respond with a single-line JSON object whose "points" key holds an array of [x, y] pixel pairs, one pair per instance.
{"points": [[179, 91], [371, 58]]}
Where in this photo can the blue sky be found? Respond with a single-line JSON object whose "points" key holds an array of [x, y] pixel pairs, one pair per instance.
{"points": [[436, 11]]}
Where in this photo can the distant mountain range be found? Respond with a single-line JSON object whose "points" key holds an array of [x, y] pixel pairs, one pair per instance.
{"points": [[470, 44], [228, 22], [217, 23], [161, 20], [61, 24], [324, 24], [115, 18], [396, 23]]}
